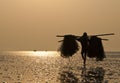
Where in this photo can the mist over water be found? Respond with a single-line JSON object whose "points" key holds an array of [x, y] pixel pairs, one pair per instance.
{"points": [[50, 67]]}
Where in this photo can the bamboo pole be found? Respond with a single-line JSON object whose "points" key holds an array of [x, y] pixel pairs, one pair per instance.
{"points": [[101, 39], [89, 35], [103, 34]]}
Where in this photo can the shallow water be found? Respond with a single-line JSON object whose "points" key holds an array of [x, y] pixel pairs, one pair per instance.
{"points": [[49, 67]]}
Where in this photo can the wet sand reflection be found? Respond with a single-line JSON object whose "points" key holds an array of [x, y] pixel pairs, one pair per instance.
{"points": [[87, 75]]}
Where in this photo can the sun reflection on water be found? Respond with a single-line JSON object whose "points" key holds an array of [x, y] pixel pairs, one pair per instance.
{"points": [[33, 53], [45, 53]]}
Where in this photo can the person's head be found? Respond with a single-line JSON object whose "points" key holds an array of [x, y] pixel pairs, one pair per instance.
{"points": [[84, 34]]}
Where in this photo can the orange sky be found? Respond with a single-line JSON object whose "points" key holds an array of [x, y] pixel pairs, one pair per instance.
{"points": [[34, 24]]}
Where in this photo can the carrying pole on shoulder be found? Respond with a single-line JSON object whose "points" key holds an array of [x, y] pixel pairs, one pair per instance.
{"points": [[89, 35]]}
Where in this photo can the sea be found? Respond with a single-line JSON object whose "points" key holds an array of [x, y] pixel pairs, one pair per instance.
{"points": [[50, 67]]}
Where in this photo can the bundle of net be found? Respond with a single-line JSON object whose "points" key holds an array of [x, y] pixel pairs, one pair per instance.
{"points": [[69, 46], [96, 48]]}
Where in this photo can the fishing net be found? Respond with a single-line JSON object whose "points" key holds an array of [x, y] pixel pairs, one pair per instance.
{"points": [[96, 49], [69, 46]]}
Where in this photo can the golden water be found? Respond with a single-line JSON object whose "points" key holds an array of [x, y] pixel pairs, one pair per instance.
{"points": [[49, 67]]}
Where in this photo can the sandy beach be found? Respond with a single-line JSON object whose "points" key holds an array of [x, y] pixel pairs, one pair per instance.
{"points": [[50, 67]]}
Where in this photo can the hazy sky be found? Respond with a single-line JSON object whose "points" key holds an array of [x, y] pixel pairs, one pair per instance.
{"points": [[34, 24]]}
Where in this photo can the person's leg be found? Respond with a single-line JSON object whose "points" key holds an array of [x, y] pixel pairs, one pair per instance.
{"points": [[84, 58]]}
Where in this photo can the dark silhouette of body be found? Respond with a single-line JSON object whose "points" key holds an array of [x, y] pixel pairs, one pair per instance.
{"points": [[91, 46], [84, 40]]}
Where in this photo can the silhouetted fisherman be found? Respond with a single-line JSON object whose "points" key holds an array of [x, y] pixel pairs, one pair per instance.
{"points": [[91, 46], [84, 40]]}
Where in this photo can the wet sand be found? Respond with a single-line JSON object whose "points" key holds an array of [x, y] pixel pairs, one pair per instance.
{"points": [[51, 68]]}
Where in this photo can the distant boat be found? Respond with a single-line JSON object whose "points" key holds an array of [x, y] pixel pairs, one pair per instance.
{"points": [[34, 50]]}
